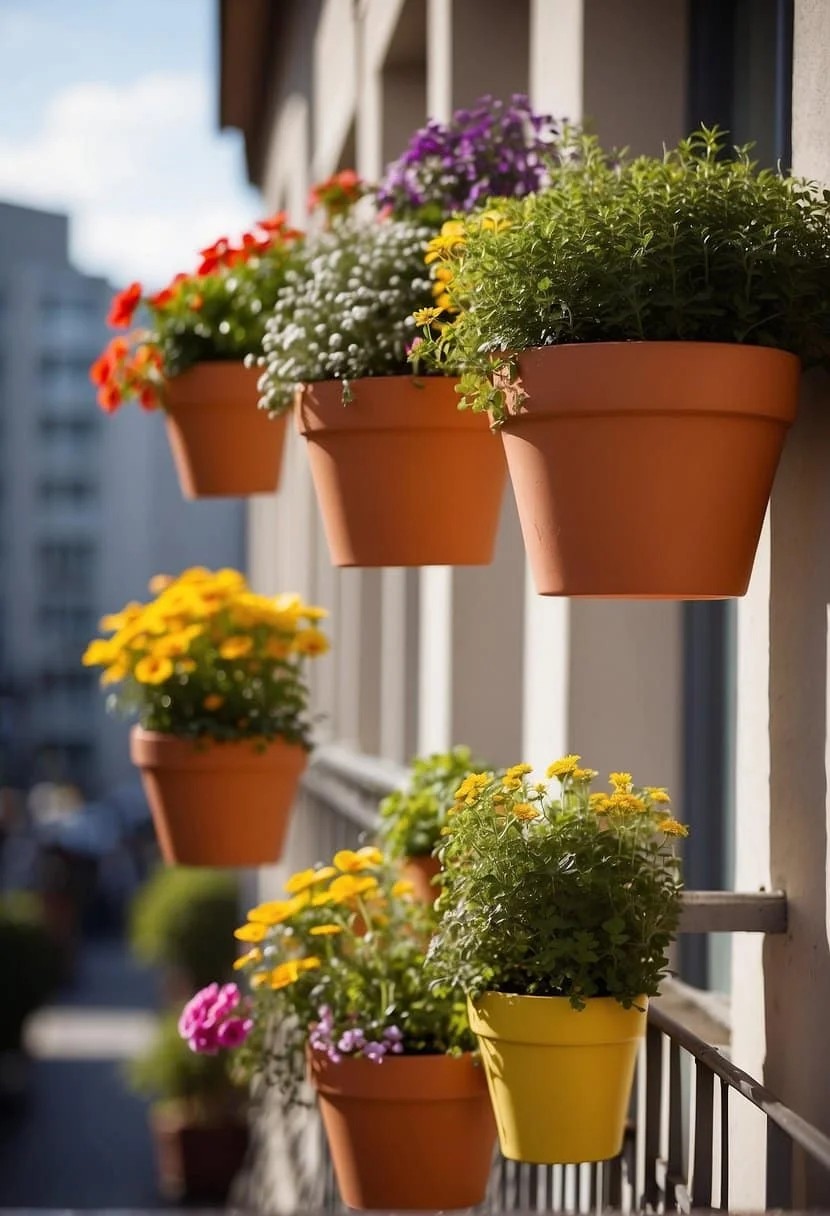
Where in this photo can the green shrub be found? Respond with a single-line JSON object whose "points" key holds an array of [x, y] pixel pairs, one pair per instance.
{"points": [[168, 1071], [184, 919], [412, 818], [30, 963], [696, 246]]}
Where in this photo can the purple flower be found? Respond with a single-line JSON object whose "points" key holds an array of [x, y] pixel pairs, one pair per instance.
{"points": [[234, 1032], [375, 1051], [351, 1040]]}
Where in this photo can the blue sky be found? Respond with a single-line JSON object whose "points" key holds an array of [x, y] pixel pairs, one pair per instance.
{"points": [[108, 111]]}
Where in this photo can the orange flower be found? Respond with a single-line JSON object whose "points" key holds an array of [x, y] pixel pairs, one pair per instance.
{"points": [[101, 369], [123, 306], [109, 398]]}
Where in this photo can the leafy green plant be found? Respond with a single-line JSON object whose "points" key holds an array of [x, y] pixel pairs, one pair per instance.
{"points": [[30, 962], [411, 819], [697, 246], [168, 1071], [572, 894], [347, 312], [184, 919]]}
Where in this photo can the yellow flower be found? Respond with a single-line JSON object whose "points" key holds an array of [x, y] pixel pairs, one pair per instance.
{"points": [[325, 930], [311, 642], [276, 911], [244, 960], [290, 603], [347, 886], [443, 274], [402, 887], [213, 700], [425, 316], [452, 237], [620, 781], [599, 803], [518, 770], [100, 653], [672, 827], [114, 674], [311, 612], [350, 862], [658, 794], [443, 301], [583, 774], [626, 804], [151, 670], [159, 583], [275, 648], [471, 787], [290, 972], [308, 878], [236, 647], [523, 810], [185, 666], [117, 620], [493, 221], [563, 768], [260, 979], [250, 933]]}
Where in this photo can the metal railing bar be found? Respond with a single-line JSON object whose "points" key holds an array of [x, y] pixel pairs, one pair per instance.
{"points": [[724, 1146], [702, 1169], [653, 1112], [779, 1167], [674, 1163], [814, 1142]]}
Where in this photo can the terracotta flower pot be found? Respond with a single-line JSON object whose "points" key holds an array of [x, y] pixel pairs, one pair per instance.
{"points": [[420, 871], [402, 477], [222, 443], [412, 1132], [196, 1159], [560, 1078], [643, 469], [218, 804]]}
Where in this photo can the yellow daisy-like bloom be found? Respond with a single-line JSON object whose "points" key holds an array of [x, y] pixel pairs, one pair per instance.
{"points": [[563, 768], [672, 827], [260, 979], [523, 810], [308, 878], [290, 603], [452, 238], [311, 642], [114, 674], [620, 781], [443, 274], [321, 899], [402, 888], [326, 930], [599, 803], [250, 933], [518, 770], [114, 621], [236, 647], [245, 960], [349, 886], [425, 316], [276, 911], [312, 612], [276, 648], [159, 583], [658, 795], [472, 785], [626, 804], [152, 670], [212, 701], [350, 862], [100, 653], [290, 972], [583, 774]]}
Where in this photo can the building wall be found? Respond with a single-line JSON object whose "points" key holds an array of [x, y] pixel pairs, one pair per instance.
{"points": [[89, 508]]}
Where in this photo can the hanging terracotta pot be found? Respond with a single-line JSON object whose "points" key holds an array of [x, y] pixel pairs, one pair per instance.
{"points": [[218, 804], [402, 477], [222, 443], [560, 1078], [643, 469], [420, 871], [196, 1158], [409, 1133]]}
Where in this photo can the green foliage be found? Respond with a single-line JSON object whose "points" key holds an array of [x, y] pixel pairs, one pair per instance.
{"points": [[412, 818], [348, 312], [30, 964], [571, 895], [362, 984], [168, 1071], [184, 919], [699, 246]]}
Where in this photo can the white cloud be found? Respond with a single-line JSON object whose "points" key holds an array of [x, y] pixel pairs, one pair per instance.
{"points": [[141, 171]]}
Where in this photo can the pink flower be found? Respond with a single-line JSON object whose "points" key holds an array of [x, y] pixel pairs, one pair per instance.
{"points": [[209, 1020]]}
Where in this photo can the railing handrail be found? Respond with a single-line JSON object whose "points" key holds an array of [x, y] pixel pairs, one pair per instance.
{"points": [[808, 1137]]}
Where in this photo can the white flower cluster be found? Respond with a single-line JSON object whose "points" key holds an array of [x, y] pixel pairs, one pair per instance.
{"points": [[348, 311]]}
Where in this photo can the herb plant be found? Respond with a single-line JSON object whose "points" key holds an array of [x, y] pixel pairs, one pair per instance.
{"points": [[208, 658], [494, 149], [411, 819], [216, 313], [697, 246], [339, 967], [571, 893], [347, 312]]}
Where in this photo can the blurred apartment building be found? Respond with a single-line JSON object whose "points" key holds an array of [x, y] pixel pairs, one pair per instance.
{"points": [[89, 510]]}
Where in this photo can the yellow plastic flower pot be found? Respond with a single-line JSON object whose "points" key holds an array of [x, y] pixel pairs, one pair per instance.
{"points": [[560, 1078]]}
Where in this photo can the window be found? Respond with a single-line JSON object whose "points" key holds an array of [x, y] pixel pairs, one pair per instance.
{"points": [[74, 433], [68, 493], [67, 569]]}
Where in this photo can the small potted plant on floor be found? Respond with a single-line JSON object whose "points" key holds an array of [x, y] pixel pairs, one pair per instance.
{"points": [[557, 910], [216, 676], [636, 331], [337, 968], [188, 359], [182, 921], [197, 1118], [31, 961], [411, 819]]}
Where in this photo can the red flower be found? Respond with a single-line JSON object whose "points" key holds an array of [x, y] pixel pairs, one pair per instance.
{"points": [[213, 257], [109, 397], [99, 373], [274, 223], [337, 193], [162, 298], [123, 306], [148, 399]]}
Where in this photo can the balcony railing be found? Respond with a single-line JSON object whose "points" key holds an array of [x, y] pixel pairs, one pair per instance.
{"points": [[677, 1148]]}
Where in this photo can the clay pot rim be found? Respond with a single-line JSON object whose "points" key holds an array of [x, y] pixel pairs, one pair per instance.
{"points": [[400, 1078], [208, 384], [148, 748], [377, 406]]}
